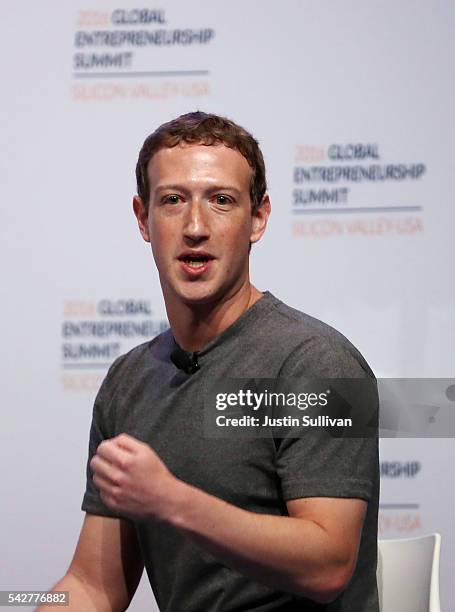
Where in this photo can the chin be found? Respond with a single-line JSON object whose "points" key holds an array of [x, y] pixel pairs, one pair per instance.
{"points": [[198, 300], [199, 293], [195, 296]]}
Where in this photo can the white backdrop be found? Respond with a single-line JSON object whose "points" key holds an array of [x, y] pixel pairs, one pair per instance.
{"points": [[364, 243]]}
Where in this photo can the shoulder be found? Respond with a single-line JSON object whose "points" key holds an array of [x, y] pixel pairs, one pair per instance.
{"points": [[145, 356], [314, 346]]}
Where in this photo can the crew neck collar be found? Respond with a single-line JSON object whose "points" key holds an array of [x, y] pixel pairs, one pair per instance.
{"points": [[259, 308]]}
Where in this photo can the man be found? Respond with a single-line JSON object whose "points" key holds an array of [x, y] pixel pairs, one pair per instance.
{"points": [[220, 524]]}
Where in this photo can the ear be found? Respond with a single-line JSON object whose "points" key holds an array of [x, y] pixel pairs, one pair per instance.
{"points": [[259, 219], [142, 217]]}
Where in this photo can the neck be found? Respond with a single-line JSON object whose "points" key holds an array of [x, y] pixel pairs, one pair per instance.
{"points": [[194, 325]]}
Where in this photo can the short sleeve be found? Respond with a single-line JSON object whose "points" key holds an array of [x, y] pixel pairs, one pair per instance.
{"points": [[317, 464], [102, 428]]}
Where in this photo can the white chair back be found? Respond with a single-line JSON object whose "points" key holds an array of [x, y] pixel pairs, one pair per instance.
{"points": [[408, 574]]}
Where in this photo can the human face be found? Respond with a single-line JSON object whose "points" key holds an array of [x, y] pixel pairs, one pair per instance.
{"points": [[200, 222]]}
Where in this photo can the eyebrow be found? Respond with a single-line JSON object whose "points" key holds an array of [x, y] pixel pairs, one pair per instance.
{"points": [[209, 189]]}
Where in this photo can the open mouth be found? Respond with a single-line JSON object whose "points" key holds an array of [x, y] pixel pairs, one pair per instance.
{"points": [[196, 261]]}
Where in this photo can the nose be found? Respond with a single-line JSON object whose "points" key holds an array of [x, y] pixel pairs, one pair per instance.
{"points": [[196, 228]]}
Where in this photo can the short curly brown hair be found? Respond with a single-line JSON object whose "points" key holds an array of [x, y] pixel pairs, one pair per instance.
{"points": [[207, 129]]}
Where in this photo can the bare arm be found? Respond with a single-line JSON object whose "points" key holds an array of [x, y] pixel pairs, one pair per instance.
{"points": [[312, 552], [106, 567]]}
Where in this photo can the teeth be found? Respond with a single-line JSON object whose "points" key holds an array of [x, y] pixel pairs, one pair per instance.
{"points": [[195, 263]]}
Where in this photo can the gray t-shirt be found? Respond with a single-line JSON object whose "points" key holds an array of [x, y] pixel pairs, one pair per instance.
{"points": [[146, 396]]}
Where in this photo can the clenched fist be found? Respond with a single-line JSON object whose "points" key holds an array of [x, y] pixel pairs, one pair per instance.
{"points": [[132, 479]]}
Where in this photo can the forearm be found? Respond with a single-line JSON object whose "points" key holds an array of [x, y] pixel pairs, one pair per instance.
{"points": [[83, 596], [293, 554], [313, 552]]}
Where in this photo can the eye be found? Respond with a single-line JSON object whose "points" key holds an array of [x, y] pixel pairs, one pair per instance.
{"points": [[171, 199], [223, 200]]}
